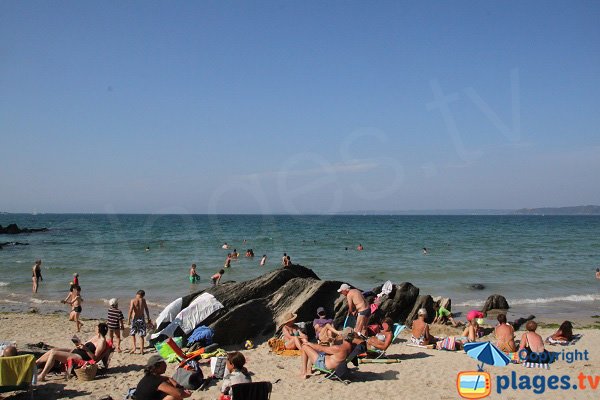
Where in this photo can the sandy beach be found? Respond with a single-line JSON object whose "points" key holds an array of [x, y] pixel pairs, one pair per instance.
{"points": [[423, 373]]}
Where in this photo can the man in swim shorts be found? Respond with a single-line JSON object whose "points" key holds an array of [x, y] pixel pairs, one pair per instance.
{"points": [[135, 317], [326, 357], [357, 306]]}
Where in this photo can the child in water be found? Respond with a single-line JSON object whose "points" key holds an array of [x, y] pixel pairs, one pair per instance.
{"points": [[216, 278], [194, 277], [263, 261]]}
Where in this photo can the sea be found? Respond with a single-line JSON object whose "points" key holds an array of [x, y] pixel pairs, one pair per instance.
{"points": [[543, 265]]}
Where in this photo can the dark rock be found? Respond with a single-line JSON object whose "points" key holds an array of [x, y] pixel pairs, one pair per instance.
{"points": [[399, 302], [13, 244], [445, 302], [517, 323], [495, 302], [13, 229], [477, 286], [425, 302], [255, 309]]}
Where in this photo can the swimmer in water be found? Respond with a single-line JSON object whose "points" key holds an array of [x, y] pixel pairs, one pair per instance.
{"points": [[263, 260], [425, 252], [216, 278], [225, 246], [360, 247], [597, 273]]}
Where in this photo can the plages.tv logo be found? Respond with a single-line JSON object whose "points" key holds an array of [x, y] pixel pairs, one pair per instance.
{"points": [[474, 384]]}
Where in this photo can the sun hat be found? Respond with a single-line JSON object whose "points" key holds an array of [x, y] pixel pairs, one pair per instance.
{"points": [[154, 359], [422, 311], [288, 317], [113, 302], [344, 286], [320, 310]]}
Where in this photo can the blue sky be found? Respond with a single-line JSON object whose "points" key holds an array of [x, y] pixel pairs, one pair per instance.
{"points": [[298, 107]]}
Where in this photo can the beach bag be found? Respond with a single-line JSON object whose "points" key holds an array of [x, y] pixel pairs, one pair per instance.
{"points": [[217, 366], [189, 379]]}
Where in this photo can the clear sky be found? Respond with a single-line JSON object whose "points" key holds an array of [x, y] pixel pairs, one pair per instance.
{"points": [[298, 106]]}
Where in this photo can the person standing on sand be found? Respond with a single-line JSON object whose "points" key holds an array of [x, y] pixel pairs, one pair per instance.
{"points": [[357, 306], [135, 318], [36, 275], [114, 320]]}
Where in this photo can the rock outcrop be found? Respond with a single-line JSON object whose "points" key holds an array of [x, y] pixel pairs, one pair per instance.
{"points": [[495, 302], [13, 229], [255, 308]]}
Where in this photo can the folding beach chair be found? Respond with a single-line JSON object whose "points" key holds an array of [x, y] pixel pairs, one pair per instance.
{"points": [[251, 391], [341, 372], [376, 353], [18, 373]]}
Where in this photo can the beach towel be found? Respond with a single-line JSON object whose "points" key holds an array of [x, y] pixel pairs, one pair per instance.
{"points": [[170, 312], [575, 339], [17, 370], [277, 347], [448, 343], [170, 349], [169, 330], [386, 289], [379, 360], [514, 357], [198, 310]]}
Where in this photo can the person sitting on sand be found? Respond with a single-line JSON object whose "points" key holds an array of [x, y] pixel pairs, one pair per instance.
{"points": [[156, 386], [324, 335], [9, 351], [93, 349], [135, 318], [235, 373], [194, 277], [505, 335], [442, 315], [532, 343], [420, 330], [383, 339], [469, 335], [216, 278], [326, 357], [564, 333], [292, 336]]}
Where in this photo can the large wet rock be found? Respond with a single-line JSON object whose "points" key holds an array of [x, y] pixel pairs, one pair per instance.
{"points": [[255, 308], [13, 229], [495, 302]]}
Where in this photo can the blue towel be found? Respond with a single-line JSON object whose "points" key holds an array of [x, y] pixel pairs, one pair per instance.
{"points": [[202, 333]]}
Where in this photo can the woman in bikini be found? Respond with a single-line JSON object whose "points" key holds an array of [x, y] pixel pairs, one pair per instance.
{"points": [[505, 334], [564, 334], [93, 349], [420, 330], [533, 345], [383, 339], [292, 336], [36, 275]]}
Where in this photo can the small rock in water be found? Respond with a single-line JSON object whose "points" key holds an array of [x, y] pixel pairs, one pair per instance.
{"points": [[477, 286]]}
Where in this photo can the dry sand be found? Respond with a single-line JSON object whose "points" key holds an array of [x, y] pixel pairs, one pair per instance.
{"points": [[422, 374]]}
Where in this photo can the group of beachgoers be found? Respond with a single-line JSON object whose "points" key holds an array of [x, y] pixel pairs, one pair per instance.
{"points": [[332, 348]]}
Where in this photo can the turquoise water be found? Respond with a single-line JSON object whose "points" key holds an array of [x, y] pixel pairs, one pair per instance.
{"points": [[539, 263]]}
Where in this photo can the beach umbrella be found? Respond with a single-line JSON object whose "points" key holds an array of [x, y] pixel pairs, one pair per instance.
{"points": [[487, 353]]}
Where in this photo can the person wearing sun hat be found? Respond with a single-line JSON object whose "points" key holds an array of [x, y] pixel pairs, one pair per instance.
{"points": [[156, 386], [292, 336], [324, 335]]}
